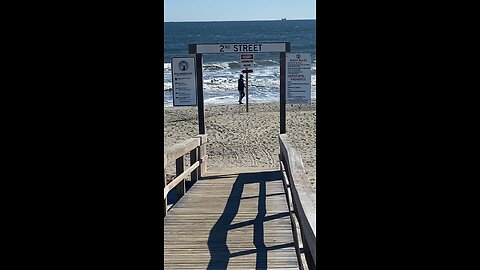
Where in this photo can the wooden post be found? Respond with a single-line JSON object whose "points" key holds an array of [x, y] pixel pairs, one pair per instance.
{"points": [[193, 159], [283, 97], [202, 152], [283, 90], [192, 49], [180, 167], [246, 86], [308, 254], [201, 110], [165, 200]]}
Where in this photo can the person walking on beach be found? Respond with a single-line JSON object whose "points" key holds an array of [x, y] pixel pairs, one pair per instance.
{"points": [[241, 87]]}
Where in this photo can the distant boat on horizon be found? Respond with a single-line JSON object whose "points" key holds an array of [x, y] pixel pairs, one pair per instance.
{"points": [[284, 19]]}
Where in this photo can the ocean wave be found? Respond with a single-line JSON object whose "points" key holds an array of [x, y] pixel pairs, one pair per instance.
{"points": [[215, 66], [266, 63], [167, 66], [234, 65]]}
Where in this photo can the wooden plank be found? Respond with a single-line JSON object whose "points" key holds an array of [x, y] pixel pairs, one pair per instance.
{"points": [[193, 160], [180, 167], [202, 153], [203, 138], [242, 215], [295, 225], [286, 187], [165, 206]]}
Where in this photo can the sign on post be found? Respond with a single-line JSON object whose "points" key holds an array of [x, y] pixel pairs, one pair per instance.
{"points": [[184, 83], [299, 77], [246, 60]]}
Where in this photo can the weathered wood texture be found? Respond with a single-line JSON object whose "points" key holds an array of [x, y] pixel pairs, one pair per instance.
{"points": [[234, 219], [198, 158], [283, 93], [200, 107], [171, 153], [301, 196]]}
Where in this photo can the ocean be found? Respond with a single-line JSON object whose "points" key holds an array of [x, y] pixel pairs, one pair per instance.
{"points": [[221, 71]]}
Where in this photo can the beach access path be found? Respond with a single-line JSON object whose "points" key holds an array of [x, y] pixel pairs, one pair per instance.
{"points": [[236, 218], [240, 139]]}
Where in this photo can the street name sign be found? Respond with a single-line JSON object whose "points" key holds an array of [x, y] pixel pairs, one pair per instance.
{"points": [[238, 47]]}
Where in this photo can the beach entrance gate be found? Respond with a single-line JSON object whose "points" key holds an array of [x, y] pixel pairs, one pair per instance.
{"points": [[242, 218], [239, 48]]}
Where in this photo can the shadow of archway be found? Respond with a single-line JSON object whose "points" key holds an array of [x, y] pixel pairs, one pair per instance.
{"points": [[217, 241]]}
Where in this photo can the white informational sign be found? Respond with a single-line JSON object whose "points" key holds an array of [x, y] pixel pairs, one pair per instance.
{"points": [[184, 83], [246, 60], [299, 77], [241, 47]]}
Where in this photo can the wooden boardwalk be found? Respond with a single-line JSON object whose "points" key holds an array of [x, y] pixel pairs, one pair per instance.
{"points": [[233, 219]]}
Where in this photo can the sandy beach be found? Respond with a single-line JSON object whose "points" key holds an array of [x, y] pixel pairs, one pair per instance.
{"points": [[240, 139]]}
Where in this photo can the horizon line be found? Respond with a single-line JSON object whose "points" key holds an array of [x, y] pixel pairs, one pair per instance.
{"points": [[248, 20]]}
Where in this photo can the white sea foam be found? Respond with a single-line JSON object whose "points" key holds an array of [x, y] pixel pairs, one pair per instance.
{"points": [[167, 67]]}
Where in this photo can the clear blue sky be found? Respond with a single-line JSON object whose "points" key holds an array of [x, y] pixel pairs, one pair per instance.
{"points": [[241, 10]]}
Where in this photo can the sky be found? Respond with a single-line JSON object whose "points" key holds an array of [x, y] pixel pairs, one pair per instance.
{"points": [[242, 10]]}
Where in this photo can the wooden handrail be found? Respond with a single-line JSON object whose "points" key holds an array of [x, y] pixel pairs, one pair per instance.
{"points": [[175, 151], [300, 197], [180, 178], [196, 148]]}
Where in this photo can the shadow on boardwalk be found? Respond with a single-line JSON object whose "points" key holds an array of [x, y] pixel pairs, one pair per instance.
{"points": [[217, 240]]}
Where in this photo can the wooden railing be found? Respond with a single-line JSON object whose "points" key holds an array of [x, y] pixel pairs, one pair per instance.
{"points": [[196, 148], [301, 203]]}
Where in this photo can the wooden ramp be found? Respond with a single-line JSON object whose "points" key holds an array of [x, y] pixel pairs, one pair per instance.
{"points": [[233, 219]]}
